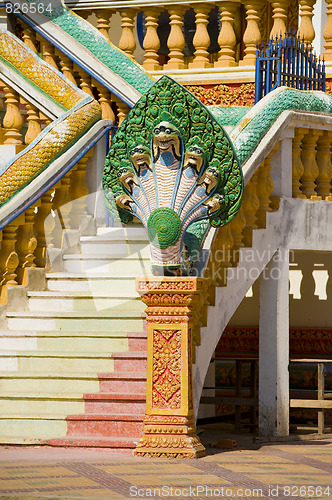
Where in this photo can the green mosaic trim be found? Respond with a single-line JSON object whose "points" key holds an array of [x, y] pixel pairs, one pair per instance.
{"points": [[88, 36], [228, 115], [257, 122]]}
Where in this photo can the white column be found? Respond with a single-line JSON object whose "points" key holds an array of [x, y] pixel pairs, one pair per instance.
{"points": [[274, 347], [319, 22]]}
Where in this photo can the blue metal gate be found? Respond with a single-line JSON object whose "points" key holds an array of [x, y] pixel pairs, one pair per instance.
{"points": [[287, 61]]}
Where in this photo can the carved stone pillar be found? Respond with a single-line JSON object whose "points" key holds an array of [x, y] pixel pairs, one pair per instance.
{"points": [[127, 41], [169, 424], [280, 9], [67, 68], [201, 39], [151, 42], [176, 41], [227, 38], [252, 34], [306, 28], [327, 33], [48, 52], [29, 38]]}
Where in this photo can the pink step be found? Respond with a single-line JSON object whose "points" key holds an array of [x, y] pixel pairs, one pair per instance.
{"points": [[114, 442], [101, 425], [137, 341], [123, 382], [129, 361], [106, 402]]}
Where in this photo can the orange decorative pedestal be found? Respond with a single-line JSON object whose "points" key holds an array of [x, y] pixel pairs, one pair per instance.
{"points": [[169, 425]]}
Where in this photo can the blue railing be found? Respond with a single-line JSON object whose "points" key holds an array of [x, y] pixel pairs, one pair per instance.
{"points": [[287, 61]]}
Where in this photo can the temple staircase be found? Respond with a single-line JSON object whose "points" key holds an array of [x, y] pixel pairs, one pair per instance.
{"points": [[74, 361]]}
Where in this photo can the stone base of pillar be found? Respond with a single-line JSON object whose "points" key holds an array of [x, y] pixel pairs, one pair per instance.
{"points": [[174, 439]]}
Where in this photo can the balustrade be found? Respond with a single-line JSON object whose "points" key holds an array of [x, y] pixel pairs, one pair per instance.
{"points": [[258, 16]]}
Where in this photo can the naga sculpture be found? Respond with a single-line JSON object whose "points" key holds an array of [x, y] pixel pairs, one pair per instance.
{"points": [[172, 166]]}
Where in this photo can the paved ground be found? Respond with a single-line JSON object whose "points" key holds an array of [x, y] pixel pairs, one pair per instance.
{"points": [[285, 470]]}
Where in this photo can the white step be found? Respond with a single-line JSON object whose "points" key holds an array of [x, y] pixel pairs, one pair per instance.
{"points": [[101, 264], [130, 233], [14, 426], [41, 321], [106, 285], [41, 402], [90, 341], [56, 362], [81, 301], [30, 381], [115, 249]]}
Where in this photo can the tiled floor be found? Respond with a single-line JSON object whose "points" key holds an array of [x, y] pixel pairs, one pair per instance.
{"points": [[292, 470]]}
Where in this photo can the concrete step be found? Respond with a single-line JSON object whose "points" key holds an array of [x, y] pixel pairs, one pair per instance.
{"points": [[41, 402], [69, 321], [100, 285], [112, 403], [94, 424], [81, 301], [52, 382], [56, 362], [99, 264]]}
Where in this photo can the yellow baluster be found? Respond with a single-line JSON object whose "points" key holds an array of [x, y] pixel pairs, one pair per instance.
{"points": [[48, 52], [237, 226], [26, 245], [252, 34], [250, 206], [123, 110], [264, 191], [222, 257], [176, 41], [311, 170], [85, 81], [79, 190], [62, 206], [280, 9], [227, 38], [306, 28], [8, 256], [103, 22], [44, 226], [297, 165], [327, 33], [67, 68], [29, 38], [104, 99], [151, 42], [13, 120], [33, 120], [127, 41], [201, 40], [324, 178]]}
